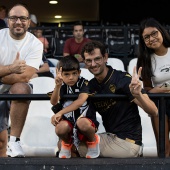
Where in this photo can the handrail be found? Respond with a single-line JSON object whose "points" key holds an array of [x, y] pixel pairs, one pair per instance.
{"points": [[161, 97]]}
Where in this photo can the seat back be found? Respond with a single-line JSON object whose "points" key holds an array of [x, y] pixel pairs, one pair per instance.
{"points": [[53, 71], [148, 137], [132, 64], [42, 85], [59, 46], [116, 63], [38, 135], [86, 73], [54, 61]]}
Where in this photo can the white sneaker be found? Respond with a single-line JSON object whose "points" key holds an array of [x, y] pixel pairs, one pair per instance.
{"points": [[14, 149]]}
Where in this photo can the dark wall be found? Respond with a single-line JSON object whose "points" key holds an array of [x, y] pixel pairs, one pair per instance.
{"points": [[133, 11]]}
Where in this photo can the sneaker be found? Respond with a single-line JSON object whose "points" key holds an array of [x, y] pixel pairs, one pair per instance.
{"points": [[93, 148], [65, 151], [14, 149]]}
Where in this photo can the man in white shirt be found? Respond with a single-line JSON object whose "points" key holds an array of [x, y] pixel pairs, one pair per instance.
{"points": [[20, 57]]}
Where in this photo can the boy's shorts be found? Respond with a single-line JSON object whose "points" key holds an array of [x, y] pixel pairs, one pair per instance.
{"points": [[80, 136]]}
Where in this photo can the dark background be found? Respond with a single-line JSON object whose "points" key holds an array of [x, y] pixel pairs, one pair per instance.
{"points": [[114, 11], [133, 11]]}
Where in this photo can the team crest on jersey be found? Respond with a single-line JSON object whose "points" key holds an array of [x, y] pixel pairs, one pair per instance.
{"points": [[86, 82], [112, 88], [128, 75]]}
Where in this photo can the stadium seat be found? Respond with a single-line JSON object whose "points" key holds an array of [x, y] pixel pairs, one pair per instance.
{"points": [[53, 71], [42, 85], [54, 61], [132, 64], [86, 74], [116, 63], [38, 135], [59, 46], [148, 137]]}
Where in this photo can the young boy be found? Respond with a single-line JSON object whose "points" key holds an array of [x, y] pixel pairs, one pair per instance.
{"points": [[77, 118]]}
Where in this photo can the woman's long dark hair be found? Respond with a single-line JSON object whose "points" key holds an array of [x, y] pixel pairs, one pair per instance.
{"points": [[144, 53]]}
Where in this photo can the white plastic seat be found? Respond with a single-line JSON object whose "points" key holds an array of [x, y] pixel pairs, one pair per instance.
{"points": [[131, 65], [148, 137], [38, 135], [116, 63], [54, 61], [53, 71], [86, 73], [42, 85]]}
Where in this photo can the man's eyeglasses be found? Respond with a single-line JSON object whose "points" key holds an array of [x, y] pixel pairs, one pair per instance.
{"points": [[97, 60], [15, 18], [154, 34]]}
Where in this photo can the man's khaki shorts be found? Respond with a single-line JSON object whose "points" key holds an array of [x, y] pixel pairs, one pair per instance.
{"points": [[112, 146]]}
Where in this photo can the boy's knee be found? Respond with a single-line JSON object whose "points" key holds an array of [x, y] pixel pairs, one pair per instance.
{"points": [[82, 124], [62, 129]]}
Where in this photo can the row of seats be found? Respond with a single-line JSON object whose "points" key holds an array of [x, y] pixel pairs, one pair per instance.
{"points": [[114, 62], [120, 40]]}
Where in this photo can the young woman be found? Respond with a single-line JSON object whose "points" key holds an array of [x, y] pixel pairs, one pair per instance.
{"points": [[154, 58]]}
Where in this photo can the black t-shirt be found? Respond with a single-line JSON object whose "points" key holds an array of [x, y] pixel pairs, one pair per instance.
{"points": [[120, 117], [86, 109]]}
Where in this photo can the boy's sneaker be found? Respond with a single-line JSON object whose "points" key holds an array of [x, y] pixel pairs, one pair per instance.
{"points": [[93, 148], [14, 149], [65, 151]]}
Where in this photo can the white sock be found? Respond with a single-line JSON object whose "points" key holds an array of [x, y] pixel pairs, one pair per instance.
{"points": [[12, 138]]}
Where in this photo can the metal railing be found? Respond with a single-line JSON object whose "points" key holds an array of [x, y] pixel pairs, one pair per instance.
{"points": [[161, 97]]}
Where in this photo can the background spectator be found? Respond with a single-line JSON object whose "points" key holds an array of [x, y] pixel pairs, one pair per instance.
{"points": [[74, 45], [44, 70], [39, 34], [3, 16]]}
